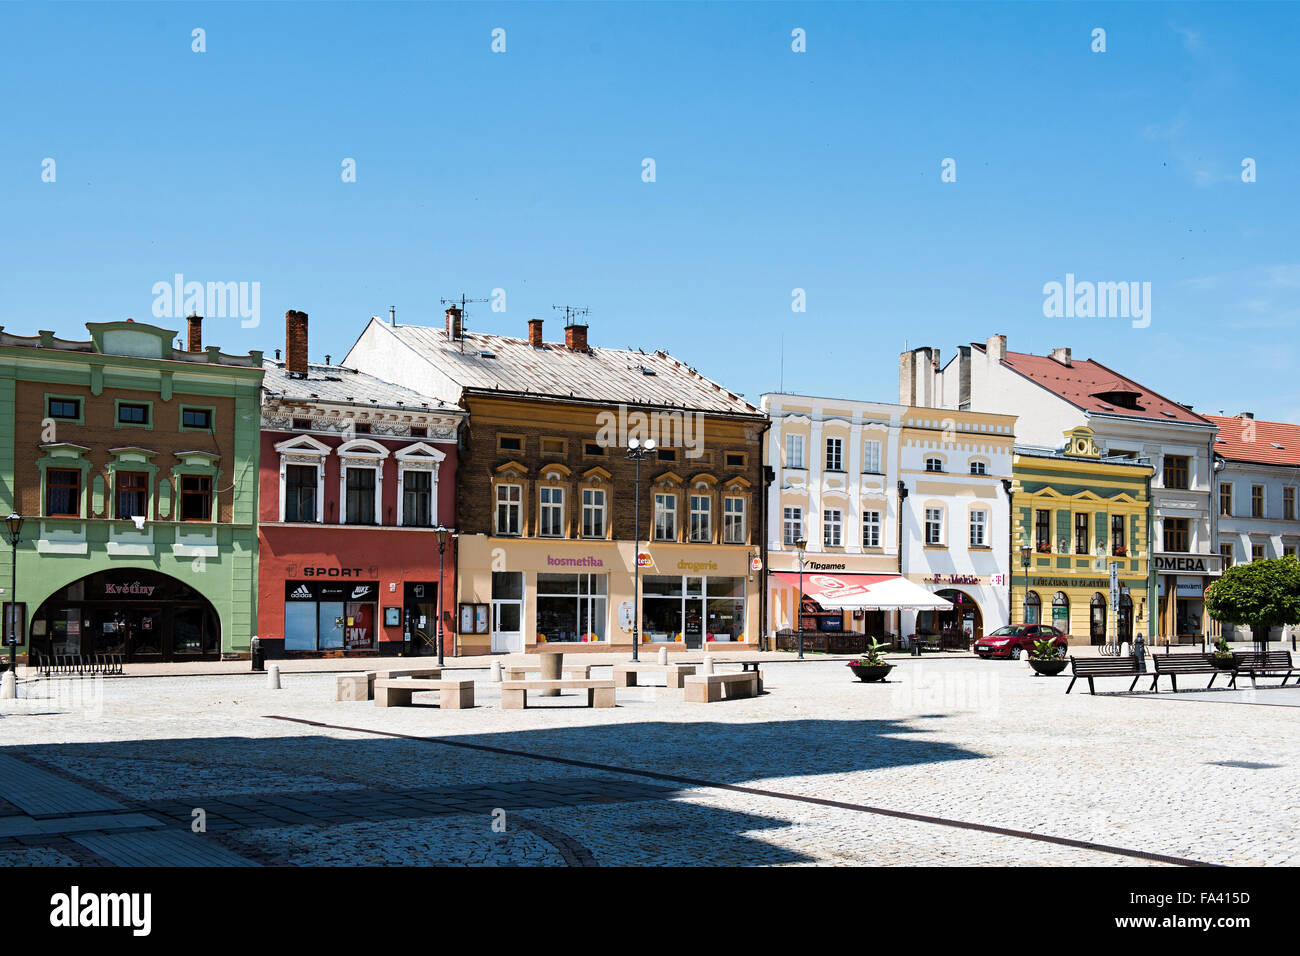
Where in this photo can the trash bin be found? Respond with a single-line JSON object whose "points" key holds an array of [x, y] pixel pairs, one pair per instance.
{"points": [[916, 647], [259, 658]]}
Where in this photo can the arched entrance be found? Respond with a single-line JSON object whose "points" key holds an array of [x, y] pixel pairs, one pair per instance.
{"points": [[1033, 608], [962, 620], [1097, 619], [1061, 612], [140, 614]]}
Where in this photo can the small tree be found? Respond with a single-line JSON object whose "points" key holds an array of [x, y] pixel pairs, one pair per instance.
{"points": [[1262, 595]]}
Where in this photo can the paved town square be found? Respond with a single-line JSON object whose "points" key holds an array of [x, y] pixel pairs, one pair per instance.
{"points": [[952, 761]]}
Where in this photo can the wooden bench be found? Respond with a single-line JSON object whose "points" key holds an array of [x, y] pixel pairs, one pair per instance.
{"points": [[710, 688], [514, 693], [455, 693], [362, 686], [1172, 665], [1263, 664], [625, 675], [521, 671], [1091, 667]]}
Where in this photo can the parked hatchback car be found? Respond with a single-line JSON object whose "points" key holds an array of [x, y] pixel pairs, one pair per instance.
{"points": [[1016, 639]]}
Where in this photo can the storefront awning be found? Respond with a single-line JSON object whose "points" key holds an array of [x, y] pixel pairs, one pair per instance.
{"points": [[868, 592]]}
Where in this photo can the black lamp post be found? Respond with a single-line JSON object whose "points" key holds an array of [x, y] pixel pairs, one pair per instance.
{"points": [[1025, 552], [637, 451], [15, 525], [442, 534], [800, 544]]}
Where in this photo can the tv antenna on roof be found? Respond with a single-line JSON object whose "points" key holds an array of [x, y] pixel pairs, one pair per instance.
{"points": [[571, 313], [464, 313]]}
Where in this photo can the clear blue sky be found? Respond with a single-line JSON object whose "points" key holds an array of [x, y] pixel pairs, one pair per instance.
{"points": [[775, 170]]}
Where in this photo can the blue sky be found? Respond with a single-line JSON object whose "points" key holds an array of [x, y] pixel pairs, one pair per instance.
{"points": [[774, 170]]}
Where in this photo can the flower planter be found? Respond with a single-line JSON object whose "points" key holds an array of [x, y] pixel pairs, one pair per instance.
{"points": [[1224, 663], [871, 674], [1048, 668]]}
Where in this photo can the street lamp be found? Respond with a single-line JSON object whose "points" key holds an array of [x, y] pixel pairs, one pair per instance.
{"points": [[443, 534], [15, 525], [1025, 552], [637, 451], [800, 544]]}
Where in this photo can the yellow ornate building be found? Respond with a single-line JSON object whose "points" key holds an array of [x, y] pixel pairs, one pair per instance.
{"points": [[1075, 516]]}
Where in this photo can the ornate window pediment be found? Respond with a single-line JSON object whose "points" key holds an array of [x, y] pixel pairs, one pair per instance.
{"points": [[556, 472], [596, 475]]}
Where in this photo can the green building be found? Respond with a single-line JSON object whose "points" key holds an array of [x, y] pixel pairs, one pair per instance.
{"points": [[134, 463]]}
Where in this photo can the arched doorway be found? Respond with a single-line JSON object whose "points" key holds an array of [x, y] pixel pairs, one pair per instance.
{"points": [[1061, 612], [1124, 623], [140, 614], [1033, 608], [962, 621], [1097, 618]]}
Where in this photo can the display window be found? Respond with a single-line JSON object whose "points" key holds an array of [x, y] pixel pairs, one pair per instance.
{"points": [[330, 616]]}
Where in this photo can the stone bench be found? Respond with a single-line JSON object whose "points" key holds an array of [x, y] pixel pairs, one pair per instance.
{"points": [[600, 693], [453, 693], [521, 671], [625, 675], [710, 688], [362, 686]]}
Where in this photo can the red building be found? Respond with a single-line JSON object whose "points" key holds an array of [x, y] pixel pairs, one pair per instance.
{"points": [[357, 478]]}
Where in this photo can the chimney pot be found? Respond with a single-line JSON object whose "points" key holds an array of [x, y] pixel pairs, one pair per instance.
{"points": [[1249, 415], [535, 333], [295, 343], [575, 338], [453, 322], [195, 324]]}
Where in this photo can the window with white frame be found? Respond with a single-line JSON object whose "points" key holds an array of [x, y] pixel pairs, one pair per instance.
{"points": [[934, 464], [701, 518], [794, 451], [833, 528], [835, 454], [509, 508], [934, 526], [871, 457], [978, 468], [302, 479], [593, 513], [665, 516], [979, 528], [733, 520], [361, 475], [417, 485], [792, 526], [550, 513], [871, 529]]}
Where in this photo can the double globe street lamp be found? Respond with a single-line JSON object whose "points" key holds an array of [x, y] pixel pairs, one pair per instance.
{"points": [[637, 451]]}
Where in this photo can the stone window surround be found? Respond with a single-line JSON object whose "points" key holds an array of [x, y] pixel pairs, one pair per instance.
{"points": [[361, 453]]}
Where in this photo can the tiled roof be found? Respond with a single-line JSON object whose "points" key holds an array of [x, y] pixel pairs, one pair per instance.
{"points": [[614, 376], [334, 383], [1083, 380], [1248, 439]]}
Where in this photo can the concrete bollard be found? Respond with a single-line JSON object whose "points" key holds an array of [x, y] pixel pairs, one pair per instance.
{"points": [[1125, 649], [8, 686], [663, 656], [707, 667], [495, 675], [273, 677]]}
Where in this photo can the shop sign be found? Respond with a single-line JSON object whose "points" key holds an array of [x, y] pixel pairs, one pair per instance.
{"points": [[820, 566], [324, 591], [643, 560], [1194, 563], [134, 589], [588, 561], [331, 572], [756, 564], [953, 579], [695, 567]]}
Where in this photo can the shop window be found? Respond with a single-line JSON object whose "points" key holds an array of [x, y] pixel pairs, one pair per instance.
{"points": [[1177, 534], [300, 491], [833, 528], [733, 520], [1033, 608], [1061, 611], [551, 513], [792, 526], [871, 529], [196, 498], [572, 607], [509, 507], [359, 495], [665, 517], [593, 513], [1176, 471], [701, 518], [330, 617], [62, 493], [131, 495], [692, 610]]}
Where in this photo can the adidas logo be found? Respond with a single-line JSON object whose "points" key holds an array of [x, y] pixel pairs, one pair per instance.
{"points": [[302, 592]]}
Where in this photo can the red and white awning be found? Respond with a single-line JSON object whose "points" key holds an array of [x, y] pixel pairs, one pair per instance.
{"points": [[868, 592]]}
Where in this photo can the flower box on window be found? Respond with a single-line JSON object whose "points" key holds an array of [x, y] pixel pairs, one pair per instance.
{"points": [[1121, 552], [1045, 547]]}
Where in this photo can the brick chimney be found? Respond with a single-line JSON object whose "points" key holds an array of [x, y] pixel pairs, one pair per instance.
{"points": [[575, 338], [1250, 415], [535, 333], [295, 344], [1061, 355], [195, 329], [453, 322]]}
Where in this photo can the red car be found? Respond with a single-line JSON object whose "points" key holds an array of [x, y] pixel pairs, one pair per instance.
{"points": [[1014, 640]]}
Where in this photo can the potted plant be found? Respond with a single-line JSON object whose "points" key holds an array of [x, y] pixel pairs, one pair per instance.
{"points": [[1261, 594], [871, 667], [1222, 656], [1044, 658]]}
